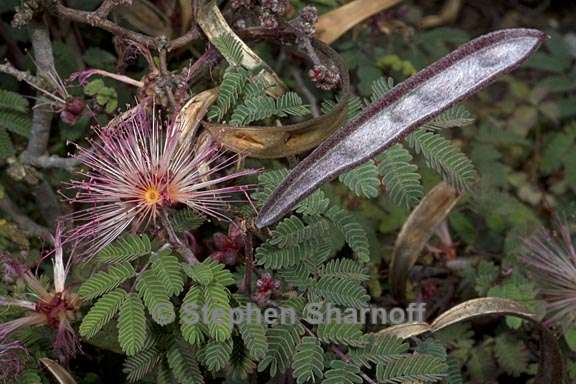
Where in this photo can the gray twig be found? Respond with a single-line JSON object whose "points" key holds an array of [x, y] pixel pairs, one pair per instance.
{"points": [[24, 222]]}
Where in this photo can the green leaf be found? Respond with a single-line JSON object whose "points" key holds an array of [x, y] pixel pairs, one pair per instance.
{"points": [[230, 48], [379, 349], [103, 282], [183, 365], [6, 147], [344, 269], [217, 301], [282, 342], [420, 368], [353, 232], [102, 312], [341, 291], [229, 92], [445, 158], [341, 333], [290, 104], [132, 325], [200, 273], [190, 312], [292, 231], [141, 364], [156, 298], [216, 355], [253, 334], [16, 122], [342, 373], [308, 364], [168, 271], [186, 220], [512, 355], [126, 249], [400, 176], [363, 180], [13, 101]]}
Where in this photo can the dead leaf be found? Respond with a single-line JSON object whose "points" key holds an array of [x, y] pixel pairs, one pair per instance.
{"points": [[61, 375]]}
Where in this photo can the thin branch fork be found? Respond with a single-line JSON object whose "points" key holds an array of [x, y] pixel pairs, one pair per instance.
{"points": [[24, 222], [98, 18]]}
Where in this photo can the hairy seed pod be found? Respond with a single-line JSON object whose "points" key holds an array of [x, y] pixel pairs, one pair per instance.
{"points": [[399, 112]]}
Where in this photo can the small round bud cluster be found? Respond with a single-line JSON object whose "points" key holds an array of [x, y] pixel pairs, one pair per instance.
{"points": [[324, 77], [25, 13], [240, 3], [268, 21], [306, 21], [309, 14], [277, 7], [265, 286], [73, 110]]}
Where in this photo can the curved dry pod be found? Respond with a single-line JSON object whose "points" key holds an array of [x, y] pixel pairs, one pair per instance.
{"points": [[551, 368], [411, 103], [276, 142]]}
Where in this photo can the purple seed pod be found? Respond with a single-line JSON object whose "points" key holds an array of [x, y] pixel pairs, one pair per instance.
{"points": [[399, 112]]}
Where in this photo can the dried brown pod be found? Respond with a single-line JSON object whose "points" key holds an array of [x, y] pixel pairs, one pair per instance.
{"points": [[332, 25], [276, 142], [60, 373], [551, 368], [416, 231]]}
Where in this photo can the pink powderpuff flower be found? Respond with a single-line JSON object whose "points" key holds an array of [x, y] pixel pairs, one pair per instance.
{"points": [[54, 308], [137, 170], [551, 259]]}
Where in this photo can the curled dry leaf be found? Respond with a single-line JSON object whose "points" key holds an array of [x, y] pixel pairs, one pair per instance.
{"points": [[276, 142], [411, 103], [332, 25], [551, 368], [213, 24], [60, 373], [416, 231]]}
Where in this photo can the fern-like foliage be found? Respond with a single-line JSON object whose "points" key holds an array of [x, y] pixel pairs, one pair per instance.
{"points": [[14, 118], [253, 335], [341, 333], [341, 292], [344, 269], [102, 312], [126, 249], [190, 327], [419, 368], [183, 365], [342, 373], [132, 329], [379, 350], [167, 269], [292, 231], [262, 107], [363, 180], [186, 220], [216, 355], [138, 366], [13, 101], [445, 158], [353, 232], [231, 88], [102, 282], [230, 48], [156, 298], [308, 363], [282, 342], [400, 176]]}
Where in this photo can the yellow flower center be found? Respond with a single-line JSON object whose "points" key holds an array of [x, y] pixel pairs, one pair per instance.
{"points": [[152, 196]]}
